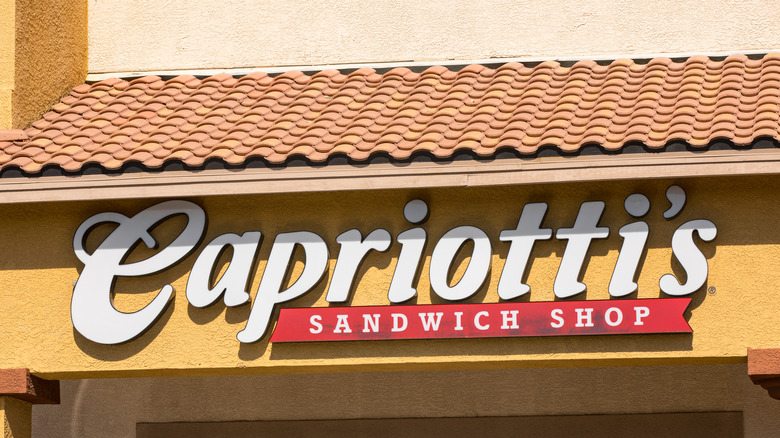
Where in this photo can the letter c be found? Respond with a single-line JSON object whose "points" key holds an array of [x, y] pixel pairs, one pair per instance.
{"points": [[92, 310], [478, 323]]}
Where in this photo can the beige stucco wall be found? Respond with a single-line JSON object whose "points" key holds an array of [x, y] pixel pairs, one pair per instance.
{"points": [[112, 407], [139, 35]]}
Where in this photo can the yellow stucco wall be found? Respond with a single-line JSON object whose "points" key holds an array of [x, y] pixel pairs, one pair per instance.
{"points": [[43, 54], [15, 418], [7, 50], [38, 267]]}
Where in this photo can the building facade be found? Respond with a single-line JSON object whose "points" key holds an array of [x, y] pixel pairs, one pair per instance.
{"points": [[385, 219]]}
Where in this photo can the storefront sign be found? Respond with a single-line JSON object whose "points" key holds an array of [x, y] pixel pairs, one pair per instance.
{"points": [[597, 317], [95, 317]]}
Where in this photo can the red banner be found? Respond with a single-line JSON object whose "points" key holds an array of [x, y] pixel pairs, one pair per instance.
{"points": [[441, 321]]}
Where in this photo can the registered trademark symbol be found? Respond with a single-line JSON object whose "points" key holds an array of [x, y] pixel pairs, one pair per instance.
{"points": [[711, 290]]}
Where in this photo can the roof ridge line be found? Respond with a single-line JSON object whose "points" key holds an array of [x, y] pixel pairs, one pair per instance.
{"points": [[276, 70]]}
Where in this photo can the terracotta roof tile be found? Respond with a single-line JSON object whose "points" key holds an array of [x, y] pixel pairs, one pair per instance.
{"points": [[151, 121]]}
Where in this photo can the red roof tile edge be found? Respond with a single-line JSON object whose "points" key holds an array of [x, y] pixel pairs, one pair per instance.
{"points": [[401, 114]]}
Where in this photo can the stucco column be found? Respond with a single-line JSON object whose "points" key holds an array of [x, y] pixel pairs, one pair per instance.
{"points": [[15, 417], [43, 54], [19, 390]]}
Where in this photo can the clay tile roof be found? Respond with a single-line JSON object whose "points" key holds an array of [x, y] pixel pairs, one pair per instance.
{"points": [[399, 113]]}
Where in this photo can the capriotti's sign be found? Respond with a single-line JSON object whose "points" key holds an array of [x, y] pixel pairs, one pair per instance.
{"points": [[95, 317]]}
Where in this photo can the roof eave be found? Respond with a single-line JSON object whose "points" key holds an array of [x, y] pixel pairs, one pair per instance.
{"points": [[387, 176]]}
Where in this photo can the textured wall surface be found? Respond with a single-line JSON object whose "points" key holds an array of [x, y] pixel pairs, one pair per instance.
{"points": [[15, 418], [7, 51], [90, 408], [38, 266], [51, 54], [142, 35], [43, 54]]}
